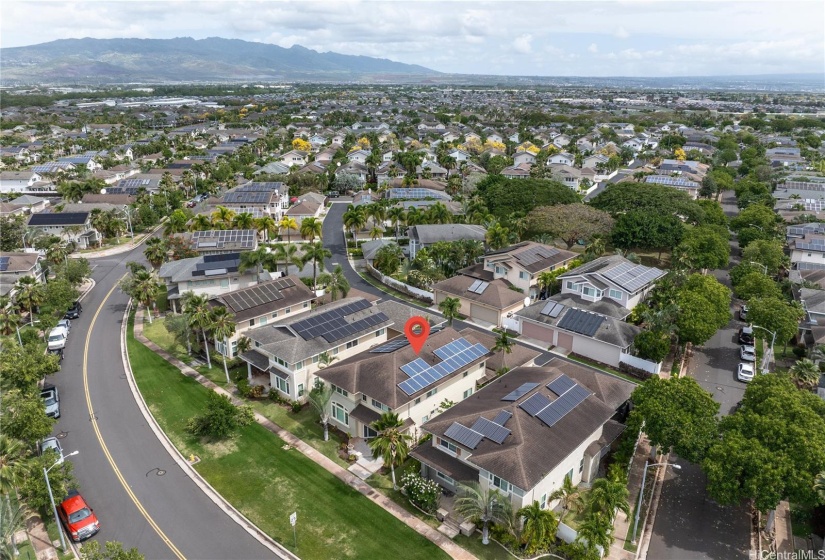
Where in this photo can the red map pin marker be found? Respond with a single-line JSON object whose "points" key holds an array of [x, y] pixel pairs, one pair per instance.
{"points": [[417, 339]]}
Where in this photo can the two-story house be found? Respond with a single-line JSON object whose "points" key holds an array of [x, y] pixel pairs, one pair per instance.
{"points": [[259, 199], [295, 157], [209, 275], [810, 248], [14, 266], [72, 227], [18, 181], [427, 234], [222, 241], [526, 431], [562, 158], [522, 263], [267, 302]]}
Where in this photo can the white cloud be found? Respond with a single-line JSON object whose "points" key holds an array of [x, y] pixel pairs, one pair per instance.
{"points": [[621, 33], [593, 48], [521, 44]]}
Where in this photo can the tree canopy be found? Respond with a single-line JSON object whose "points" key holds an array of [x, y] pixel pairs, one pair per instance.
{"points": [[704, 308], [776, 315], [504, 196], [570, 222], [648, 198], [647, 230], [705, 247]]}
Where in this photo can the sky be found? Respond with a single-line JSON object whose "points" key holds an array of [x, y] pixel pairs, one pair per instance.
{"points": [[524, 37]]}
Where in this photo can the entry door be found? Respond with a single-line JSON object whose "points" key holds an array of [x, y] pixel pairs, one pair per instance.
{"points": [[369, 432]]}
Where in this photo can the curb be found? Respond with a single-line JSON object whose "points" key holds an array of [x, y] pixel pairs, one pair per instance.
{"points": [[184, 465]]}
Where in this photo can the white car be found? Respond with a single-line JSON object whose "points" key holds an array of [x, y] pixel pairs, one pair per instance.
{"points": [[745, 372], [57, 338], [53, 444], [66, 324], [747, 353]]}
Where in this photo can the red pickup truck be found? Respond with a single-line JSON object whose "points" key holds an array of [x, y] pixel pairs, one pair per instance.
{"points": [[78, 518]]}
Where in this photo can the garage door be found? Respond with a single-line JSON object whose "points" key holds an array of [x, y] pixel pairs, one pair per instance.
{"points": [[484, 313], [538, 332], [565, 341]]}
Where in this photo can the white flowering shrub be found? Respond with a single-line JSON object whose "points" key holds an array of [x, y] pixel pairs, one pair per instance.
{"points": [[422, 492]]}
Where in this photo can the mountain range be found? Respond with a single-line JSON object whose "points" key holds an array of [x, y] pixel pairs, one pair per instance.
{"points": [[185, 59]]}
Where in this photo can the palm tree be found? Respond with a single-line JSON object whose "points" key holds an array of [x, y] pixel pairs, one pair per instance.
{"points": [[222, 217], [545, 281], [569, 497], [325, 359], [376, 232], [319, 399], [337, 283], [200, 316], [397, 216], [266, 225], [12, 520], [201, 222], [607, 496], [596, 247], [450, 307], [156, 251], [391, 443], [484, 504], [498, 237], [244, 220], [805, 374], [29, 294], [14, 465], [504, 343], [311, 228], [9, 320], [596, 530], [57, 252], [377, 212], [540, 526], [254, 259], [176, 223], [354, 219], [223, 326], [145, 288], [438, 214], [316, 253], [288, 224], [415, 217], [288, 255]]}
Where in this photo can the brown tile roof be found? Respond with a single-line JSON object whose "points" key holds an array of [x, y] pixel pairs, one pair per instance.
{"points": [[264, 298], [533, 257], [497, 295], [532, 449]]}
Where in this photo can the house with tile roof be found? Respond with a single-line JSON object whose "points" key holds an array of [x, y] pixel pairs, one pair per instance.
{"points": [[17, 265], [426, 234], [526, 431], [209, 275], [72, 227]]}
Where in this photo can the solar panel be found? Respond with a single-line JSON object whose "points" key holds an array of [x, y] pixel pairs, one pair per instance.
{"points": [[561, 384], [520, 392], [455, 355], [502, 417], [391, 346], [533, 255], [581, 322], [671, 181], [58, 218], [4, 263], [331, 324], [559, 408], [534, 404], [463, 435], [474, 285], [491, 430], [548, 307], [253, 296], [261, 187], [478, 286], [632, 277], [248, 197]]}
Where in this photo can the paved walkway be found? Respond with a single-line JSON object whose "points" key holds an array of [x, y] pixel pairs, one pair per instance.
{"points": [[125, 248], [344, 475], [39, 538], [623, 527], [782, 528]]}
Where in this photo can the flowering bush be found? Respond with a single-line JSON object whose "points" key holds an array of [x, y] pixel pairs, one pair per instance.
{"points": [[422, 492]]}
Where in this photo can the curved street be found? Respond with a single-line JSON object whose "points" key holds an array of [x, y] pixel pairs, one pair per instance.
{"points": [[164, 514]]}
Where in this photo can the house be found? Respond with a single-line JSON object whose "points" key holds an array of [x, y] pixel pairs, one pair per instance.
{"points": [[611, 278], [306, 207], [427, 234], [222, 241], [359, 156], [561, 141], [273, 168], [521, 264], [573, 177], [32, 203], [289, 351], [295, 157], [266, 302], [72, 227], [389, 170], [459, 155], [561, 158], [7, 210], [14, 266], [355, 169], [435, 171], [487, 302], [259, 199], [695, 169], [594, 161], [19, 181], [81, 161], [524, 158], [526, 431], [391, 377], [370, 248], [810, 248], [678, 182], [521, 171], [209, 275]]}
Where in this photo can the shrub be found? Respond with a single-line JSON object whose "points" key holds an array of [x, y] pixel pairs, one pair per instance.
{"points": [[276, 397], [296, 406], [799, 351], [422, 492], [221, 418]]}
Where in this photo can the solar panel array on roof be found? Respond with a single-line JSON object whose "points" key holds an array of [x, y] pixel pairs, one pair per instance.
{"points": [[58, 218], [534, 404], [502, 417], [391, 346], [454, 355], [418, 193], [333, 326], [813, 244], [552, 309], [559, 408], [582, 322], [631, 276], [248, 197], [671, 181], [491, 430], [803, 186], [809, 266], [261, 187], [523, 389], [229, 263], [478, 286], [134, 183], [463, 435], [244, 237], [561, 384], [133, 191], [253, 296], [4, 263], [534, 255]]}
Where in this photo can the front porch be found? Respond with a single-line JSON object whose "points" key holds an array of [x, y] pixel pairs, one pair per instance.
{"points": [[365, 463]]}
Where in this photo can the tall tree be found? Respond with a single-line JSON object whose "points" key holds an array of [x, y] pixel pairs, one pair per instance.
{"points": [[316, 253], [287, 255], [391, 443], [570, 222], [569, 496], [805, 373], [704, 305], [706, 247], [776, 315], [319, 398], [311, 228], [337, 283], [540, 527], [29, 294], [288, 223], [223, 327], [608, 496], [450, 307], [504, 342], [199, 313]]}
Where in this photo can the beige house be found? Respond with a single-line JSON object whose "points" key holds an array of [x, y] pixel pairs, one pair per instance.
{"points": [[521, 265], [14, 266], [487, 302]]}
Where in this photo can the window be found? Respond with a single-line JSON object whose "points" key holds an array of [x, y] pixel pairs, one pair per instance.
{"points": [[523, 275], [352, 344], [543, 501], [418, 400], [425, 418], [447, 445], [379, 332], [588, 291], [572, 286], [252, 322], [432, 392], [500, 271], [306, 304], [615, 294], [275, 315], [468, 392], [581, 465], [445, 478], [262, 321], [570, 474], [225, 283], [299, 365], [379, 405], [287, 310], [363, 397], [340, 391], [282, 385], [500, 483], [300, 389], [466, 373], [340, 413]]}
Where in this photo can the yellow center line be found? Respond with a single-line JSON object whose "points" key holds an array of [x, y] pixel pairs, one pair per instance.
{"points": [[111, 460]]}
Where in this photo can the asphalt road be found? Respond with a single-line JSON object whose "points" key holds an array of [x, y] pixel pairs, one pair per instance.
{"points": [[192, 525]]}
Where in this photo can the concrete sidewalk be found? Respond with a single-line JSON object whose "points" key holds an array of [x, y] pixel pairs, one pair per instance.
{"points": [[328, 464], [623, 527], [43, 548], [125, 248]]}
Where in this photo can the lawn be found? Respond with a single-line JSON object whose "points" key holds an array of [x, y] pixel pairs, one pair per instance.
{"points": [[336, 520], [492, 551]]}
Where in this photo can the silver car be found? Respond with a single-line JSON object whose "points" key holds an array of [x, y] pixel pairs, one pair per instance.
{"points": [[52, 400], [53, 444], [747, 353]]}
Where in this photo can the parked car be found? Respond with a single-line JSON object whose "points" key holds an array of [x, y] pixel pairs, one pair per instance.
{"points": [[74, 311], [57, 338], [78, 518], [333, 194], [58, 352], [746, 335], [743, 313], [54, 444], [65, 323], [50, 395], [747, 353], [745, 372]]}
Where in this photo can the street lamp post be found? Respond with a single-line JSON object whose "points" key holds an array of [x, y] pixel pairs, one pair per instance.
{"points": [[51, 496], [642, 493], [764, 266], [129, 220], [766, 359]]}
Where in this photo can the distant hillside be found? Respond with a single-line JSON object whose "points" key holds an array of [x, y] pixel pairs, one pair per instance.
{"points": [[186, 60]]}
